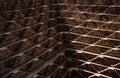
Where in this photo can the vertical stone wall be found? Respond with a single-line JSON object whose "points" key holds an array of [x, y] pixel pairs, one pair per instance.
{"points": [[29, 36]]}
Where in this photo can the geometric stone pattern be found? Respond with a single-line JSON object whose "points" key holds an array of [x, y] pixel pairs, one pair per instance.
{"points": [[60, 39]]}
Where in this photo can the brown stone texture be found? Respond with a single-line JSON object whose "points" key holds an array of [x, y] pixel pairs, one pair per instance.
{"points": [[59, 38]]}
